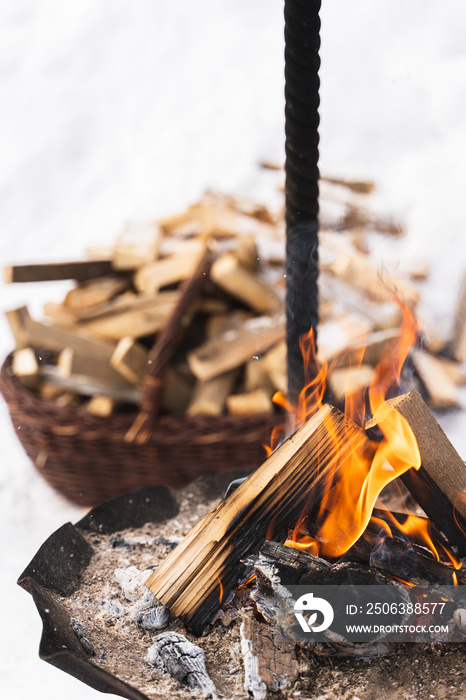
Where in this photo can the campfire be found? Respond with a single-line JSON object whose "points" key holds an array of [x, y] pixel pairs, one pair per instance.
{"points": [[369, 495]]}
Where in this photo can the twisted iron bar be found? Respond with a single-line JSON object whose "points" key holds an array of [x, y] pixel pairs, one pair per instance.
{"points": [[302, 62]]}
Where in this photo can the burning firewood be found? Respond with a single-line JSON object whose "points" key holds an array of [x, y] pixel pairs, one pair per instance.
{"points": [[206, 565], [440, 484]]}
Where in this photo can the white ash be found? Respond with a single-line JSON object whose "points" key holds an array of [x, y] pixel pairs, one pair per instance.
{"points": [[176, 655], [132, 581]]}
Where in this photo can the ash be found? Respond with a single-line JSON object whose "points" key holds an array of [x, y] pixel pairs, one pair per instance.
{"points": [[120, 619]]}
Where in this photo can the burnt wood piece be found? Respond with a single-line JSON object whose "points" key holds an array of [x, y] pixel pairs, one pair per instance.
{"points": [[79, 270], [439, 486], [269, 663], [206, 566]]}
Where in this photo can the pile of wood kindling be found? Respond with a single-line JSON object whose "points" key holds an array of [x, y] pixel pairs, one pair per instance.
{"points": [[92, 348]]}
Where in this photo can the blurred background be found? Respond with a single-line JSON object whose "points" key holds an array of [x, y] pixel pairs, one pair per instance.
{"points": [[115, 111]]}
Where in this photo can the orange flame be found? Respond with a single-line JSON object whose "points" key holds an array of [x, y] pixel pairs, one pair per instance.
{"points": [[346, 509]]}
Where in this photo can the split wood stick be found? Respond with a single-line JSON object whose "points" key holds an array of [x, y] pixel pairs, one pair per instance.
{"points": [[458, 342], [247, 253], [93, 292], [275, 366], [79, 270], [59, 313], [57, 337], [145, 317], [152, 276], [255, 376], [123, 302], [137, 244], [129, 359], [101, 406], [209, 396], [177, 391], [208, 560], [228, 273], [26, 368], [221, 323], [442, 390], [91, 386], [257, 402], [233, 348], [439, 486], [71, 363]]}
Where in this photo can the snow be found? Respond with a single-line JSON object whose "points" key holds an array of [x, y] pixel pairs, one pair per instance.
{"points": [[116, 110]]}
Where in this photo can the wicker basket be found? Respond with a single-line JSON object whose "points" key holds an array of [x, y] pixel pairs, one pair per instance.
{"points": [[90, 459]]}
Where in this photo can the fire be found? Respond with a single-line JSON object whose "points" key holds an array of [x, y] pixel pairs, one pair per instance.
{"points": [[346, 509]]}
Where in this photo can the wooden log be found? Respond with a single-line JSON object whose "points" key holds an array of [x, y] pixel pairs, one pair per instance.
{"points": [[90, 386], [275, 366], [71, 363], [79, 270], [56, 337], [59, 313], [439, 486], [232, 349], [177, 391], [457, 346], [442, 391], [255, 376], [269, 662], [93, 292], [224, 322], [137, 244], [209, 396], [359, 186], [101, 406], [246, 252], [129, 359], [257, 402], [304, 466], [143, 317], [152, 276], [228, 273], [26, 368]]}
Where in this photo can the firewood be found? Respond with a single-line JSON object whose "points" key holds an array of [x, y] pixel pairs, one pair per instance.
{"points": [[26, 368], [256, 377], [274, 365], [94, 292], [59, 313], [439, 486], [177, 391], [101, 406], [57, 337], [257, 402], [458, 341], [269, 663], [90, 386], [152, 276], [442, 390], [224, 322], [209, 396], [129, 359], [187, 582], [455, 370], [71, 363], [240, 283], [136, 245], [247, 253], [79, 270], [232, 349], [145, 317]]}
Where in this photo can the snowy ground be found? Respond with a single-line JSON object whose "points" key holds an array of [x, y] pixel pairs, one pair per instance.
{"points": [[116, 110]]}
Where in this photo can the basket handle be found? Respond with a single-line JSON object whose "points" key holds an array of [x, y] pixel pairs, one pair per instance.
{"points": [[163, 349]]}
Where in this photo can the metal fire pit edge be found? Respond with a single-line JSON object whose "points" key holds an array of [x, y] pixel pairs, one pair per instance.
{"points": [[58, 566]]}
